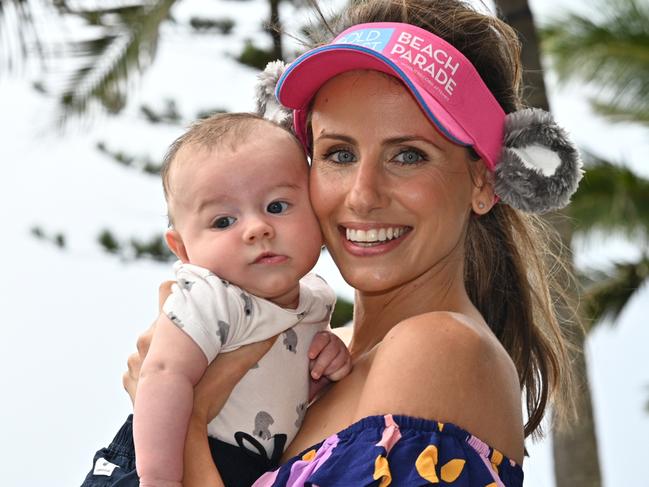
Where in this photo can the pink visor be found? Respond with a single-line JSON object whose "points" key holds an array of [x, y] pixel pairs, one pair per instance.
{"points": [[445, 84]]}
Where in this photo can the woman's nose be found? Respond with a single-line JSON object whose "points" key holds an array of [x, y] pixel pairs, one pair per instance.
{"points": [[367, 191], [258, 229]]}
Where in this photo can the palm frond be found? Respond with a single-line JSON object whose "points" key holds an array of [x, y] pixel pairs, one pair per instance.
{"points": [[621, 111], [607, 293], [611, 52], [126, 44], [611, 198], [19, 35]]}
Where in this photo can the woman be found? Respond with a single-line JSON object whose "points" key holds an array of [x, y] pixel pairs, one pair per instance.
{"points": [[453, 317]]}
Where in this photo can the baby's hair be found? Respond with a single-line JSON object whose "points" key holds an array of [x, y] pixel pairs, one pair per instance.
{"points": [[221, 130]]}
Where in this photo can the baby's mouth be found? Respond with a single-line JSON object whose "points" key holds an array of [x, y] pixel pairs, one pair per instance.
{"points": [[269, 258]]}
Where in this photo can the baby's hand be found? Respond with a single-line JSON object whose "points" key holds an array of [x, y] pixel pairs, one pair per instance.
{"points": [[329, 357]]}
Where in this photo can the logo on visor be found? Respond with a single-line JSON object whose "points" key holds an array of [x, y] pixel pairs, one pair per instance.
{"points": [[376, 39], [436, 66]]}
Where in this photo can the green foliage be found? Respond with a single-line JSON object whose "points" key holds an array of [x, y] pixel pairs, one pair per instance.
{"points": [[57, 239], [18, 23], [609, 50], [125, 43], [205, 25], [169, 114], [343, 313], [608, 292], [611, 198], [209, 112], [38, 232], [256, 57], [109, 243], [153, 248], [144, 164]]}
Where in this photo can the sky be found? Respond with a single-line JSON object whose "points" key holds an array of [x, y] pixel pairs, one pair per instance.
{"points": [[71, 317]]}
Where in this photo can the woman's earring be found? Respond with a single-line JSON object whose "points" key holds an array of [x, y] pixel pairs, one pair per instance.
{"points": [[480, 205]]}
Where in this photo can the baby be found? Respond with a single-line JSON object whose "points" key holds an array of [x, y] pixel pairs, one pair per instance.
{"points": [[243, 228]]}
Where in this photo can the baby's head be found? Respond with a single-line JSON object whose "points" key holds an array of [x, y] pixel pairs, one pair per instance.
{"points": [[236, 187]]}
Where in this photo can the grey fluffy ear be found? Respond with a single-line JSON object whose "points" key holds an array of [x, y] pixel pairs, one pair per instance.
{"points": [[540, 167], [267, 105]]}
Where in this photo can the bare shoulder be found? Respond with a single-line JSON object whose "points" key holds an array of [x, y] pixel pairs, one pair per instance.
{"points": [[446, 367], [447, 343]]}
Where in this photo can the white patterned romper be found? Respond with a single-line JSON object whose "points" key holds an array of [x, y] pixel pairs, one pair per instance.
{"points": [[267, 406]]}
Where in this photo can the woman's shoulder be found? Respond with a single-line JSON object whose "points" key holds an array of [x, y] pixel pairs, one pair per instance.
{"points": [[438, 329], [447, 367], [439, 342]]}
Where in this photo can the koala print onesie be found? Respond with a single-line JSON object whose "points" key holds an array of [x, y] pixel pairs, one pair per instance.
{"points": [[266, 408]]}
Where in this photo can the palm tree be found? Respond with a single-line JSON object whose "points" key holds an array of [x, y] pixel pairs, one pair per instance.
{"points": [[576, 462], [118, 42], [611, 53], [613, 199]]}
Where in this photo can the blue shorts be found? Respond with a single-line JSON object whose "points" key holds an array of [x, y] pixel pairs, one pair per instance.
{"points": [[114, 466]]}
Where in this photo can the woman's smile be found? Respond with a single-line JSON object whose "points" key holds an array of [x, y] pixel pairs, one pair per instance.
{"points": [[367, 240]]}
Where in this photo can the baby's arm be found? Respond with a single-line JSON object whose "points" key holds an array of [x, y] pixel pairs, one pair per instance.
{"points": [[163, 404]]}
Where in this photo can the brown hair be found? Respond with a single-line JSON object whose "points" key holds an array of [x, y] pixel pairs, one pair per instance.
{"points": [[507, 253], [217, 130]]}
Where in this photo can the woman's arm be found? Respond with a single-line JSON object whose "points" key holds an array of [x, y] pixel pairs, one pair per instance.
{"points": [[210, 394]]}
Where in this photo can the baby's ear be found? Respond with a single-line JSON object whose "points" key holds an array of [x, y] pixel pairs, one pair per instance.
{"points": [[175, 243], [267, 104]]}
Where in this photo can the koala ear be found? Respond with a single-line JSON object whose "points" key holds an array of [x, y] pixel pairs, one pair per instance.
{"points": [[267, 104], [540, 167]]}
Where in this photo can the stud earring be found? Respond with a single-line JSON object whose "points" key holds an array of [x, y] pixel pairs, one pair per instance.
{"points": [[480, 205]]}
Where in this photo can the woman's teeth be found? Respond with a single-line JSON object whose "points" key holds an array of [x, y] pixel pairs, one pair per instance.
{"points": [[374, 235]]}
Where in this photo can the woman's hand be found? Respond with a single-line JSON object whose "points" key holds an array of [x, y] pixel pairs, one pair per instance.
{"points": [[222, 375], [210, 394]]}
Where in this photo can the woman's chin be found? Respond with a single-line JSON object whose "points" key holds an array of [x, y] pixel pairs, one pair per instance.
{"points": [[370, 280]]}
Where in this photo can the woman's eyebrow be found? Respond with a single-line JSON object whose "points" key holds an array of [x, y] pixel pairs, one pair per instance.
{"points": [[334, 136], [411, 138]]}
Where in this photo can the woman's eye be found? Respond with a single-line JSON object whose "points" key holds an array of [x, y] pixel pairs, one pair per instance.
{"points": [[277, 207], [341, 156], [409, 156], [224, 222]]}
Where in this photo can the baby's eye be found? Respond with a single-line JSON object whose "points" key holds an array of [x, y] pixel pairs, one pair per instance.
{"points": [[409, 156], [341, 156], [277, 207], [224, 222]]}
